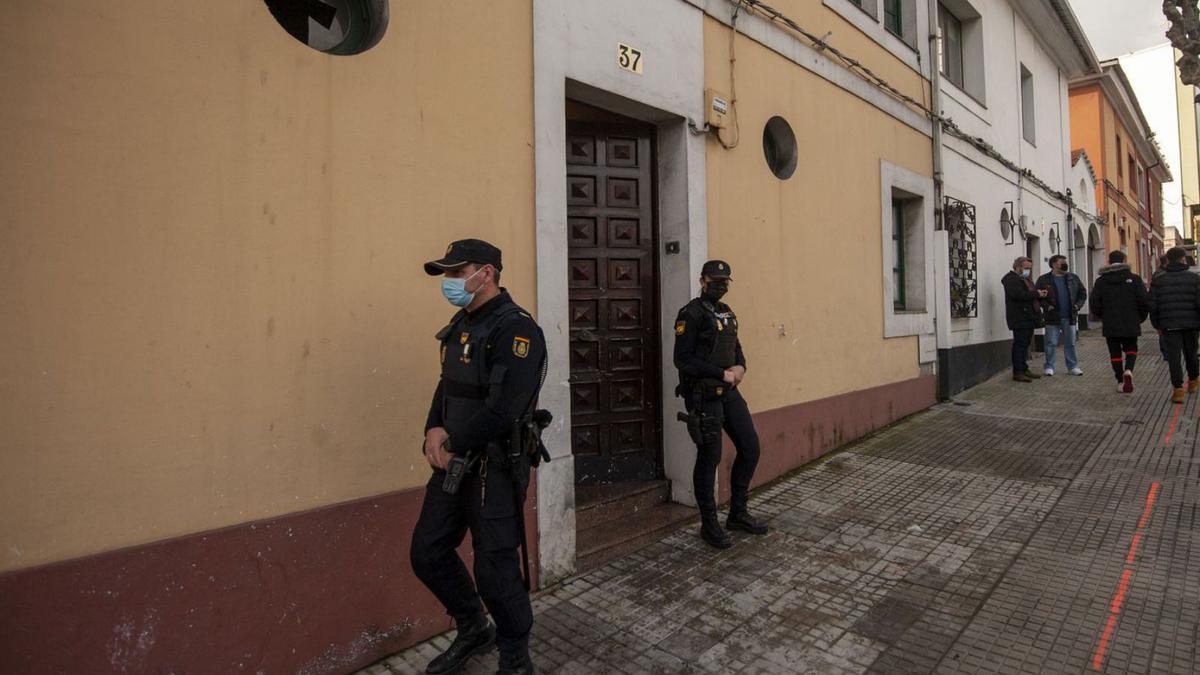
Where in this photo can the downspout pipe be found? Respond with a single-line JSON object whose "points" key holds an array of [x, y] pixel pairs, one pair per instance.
{"points": [[935, 94], [941, 316]]}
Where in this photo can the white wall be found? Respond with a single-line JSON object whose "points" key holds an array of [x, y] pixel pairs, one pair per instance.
{"points": [[1152, 74], [971, 177]]}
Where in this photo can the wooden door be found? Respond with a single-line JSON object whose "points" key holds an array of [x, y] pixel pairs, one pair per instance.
{"points": [[613, 303]]}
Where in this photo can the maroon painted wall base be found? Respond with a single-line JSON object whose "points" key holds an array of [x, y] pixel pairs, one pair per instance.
{"points": [[322, 591], [795, 435]]}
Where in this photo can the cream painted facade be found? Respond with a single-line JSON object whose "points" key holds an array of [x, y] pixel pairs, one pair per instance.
{"points": [[213, 237], [807, 249], [211, 260]]}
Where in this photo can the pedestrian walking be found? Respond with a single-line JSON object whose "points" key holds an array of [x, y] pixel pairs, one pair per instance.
{"points": [[1023, 314], [1175, 310], [492, 356], [711, 368], [1162, 340], [1064, 295], [1120, 301]]}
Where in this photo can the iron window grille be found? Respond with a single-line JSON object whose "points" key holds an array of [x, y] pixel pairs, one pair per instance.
{"points": [[964, 278]]}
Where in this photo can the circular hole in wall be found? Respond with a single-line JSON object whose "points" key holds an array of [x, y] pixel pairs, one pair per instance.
{"points": [[340, 27], [779, 147]]}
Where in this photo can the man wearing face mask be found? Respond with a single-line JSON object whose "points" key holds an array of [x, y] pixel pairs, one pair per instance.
{"points": [[1064, 295], [492, 355], [711, 365], [1023, 313]]}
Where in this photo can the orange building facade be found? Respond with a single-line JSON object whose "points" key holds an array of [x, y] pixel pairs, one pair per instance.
{"points": [[1107, 122]]}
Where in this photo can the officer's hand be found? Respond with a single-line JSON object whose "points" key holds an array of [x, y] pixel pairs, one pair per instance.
{"points": [[435, 438], [729, 377], [739, 374], [440, 458]]}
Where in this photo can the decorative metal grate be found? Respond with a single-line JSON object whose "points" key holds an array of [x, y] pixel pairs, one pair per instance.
{"points": [[964, 279]]}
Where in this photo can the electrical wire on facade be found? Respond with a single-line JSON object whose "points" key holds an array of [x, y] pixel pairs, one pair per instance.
{"points": [[737, 129], [855, 66]]}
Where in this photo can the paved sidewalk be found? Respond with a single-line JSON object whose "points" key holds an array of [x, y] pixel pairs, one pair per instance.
{"points": [[1045, 527]]}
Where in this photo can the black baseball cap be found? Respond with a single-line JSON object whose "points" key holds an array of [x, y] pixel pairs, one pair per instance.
{"points": [[716, 269], [465, 252]]}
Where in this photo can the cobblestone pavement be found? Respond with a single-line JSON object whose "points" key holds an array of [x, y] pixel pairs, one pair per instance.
{"points": [[1044, 527]]}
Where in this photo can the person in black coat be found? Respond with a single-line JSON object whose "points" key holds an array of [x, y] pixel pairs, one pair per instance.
{"points": [[1175, 310], [1120, 301], [1065, 294], [1023, 313]]}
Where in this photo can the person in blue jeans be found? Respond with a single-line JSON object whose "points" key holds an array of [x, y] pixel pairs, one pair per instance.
{"points": [[1065, 294]]}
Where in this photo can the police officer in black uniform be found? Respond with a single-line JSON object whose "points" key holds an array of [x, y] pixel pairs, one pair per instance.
{"points": [[711, 365], [492, 355]]}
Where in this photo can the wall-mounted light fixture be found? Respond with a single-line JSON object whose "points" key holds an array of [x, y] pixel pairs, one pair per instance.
{"points": [[1007, 226]]}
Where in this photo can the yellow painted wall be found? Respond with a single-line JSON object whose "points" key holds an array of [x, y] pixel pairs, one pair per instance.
{"points": [[210, 271], [818, 19], [806, 252]]}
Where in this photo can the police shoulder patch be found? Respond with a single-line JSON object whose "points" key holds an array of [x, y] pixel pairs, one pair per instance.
{"points": [[521, 347], [680, 327]]}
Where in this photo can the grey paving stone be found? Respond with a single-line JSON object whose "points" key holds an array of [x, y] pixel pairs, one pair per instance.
{"points": [[967, 539]]}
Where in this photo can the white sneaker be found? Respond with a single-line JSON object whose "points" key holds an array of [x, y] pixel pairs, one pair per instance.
{"points": [[1121, 387], [1049, 372], [1076, 371]]}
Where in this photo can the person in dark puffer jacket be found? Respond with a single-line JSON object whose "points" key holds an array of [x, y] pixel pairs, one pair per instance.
{"points": [[1175, 310], [1120, 300]]}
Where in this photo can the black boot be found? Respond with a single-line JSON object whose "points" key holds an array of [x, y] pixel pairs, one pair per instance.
{"points": [[740, 519], [711, 532], [516, 661], [473, 638]]}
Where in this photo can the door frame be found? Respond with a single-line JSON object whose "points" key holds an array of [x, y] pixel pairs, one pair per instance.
{"points": [[574, 46]]}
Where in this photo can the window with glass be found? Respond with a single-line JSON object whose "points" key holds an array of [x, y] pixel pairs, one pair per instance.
{"points": [[893, 16], [1028, 118], [951, 48], [898, 300]]}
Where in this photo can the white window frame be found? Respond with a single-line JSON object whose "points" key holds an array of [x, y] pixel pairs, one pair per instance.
{"points": [[917, 317], [974, 74], [1028, 106]]}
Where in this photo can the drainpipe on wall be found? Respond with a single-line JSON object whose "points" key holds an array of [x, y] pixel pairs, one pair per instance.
{"points": [[941, 240], [935, 94]]}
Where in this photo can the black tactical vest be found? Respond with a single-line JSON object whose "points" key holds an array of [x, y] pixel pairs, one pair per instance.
{"points": [[466, 379], [723, 335]]}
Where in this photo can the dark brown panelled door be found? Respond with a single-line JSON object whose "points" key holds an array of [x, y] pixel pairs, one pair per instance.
{"points": [[613, 296]]}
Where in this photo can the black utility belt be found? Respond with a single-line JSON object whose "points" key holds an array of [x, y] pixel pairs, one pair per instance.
{"points": [[708, 389]]}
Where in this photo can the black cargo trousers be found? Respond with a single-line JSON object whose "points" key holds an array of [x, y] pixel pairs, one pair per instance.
{"points": [[492, 518], [730, 413]]}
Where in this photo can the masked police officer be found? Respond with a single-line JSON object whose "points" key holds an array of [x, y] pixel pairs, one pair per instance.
{"points": [[492, 358], [711, 365]]}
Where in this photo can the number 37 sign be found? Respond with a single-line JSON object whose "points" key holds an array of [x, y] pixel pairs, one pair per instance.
{"points": [[629, 58]]}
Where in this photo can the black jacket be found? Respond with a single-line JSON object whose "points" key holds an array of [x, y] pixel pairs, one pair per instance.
{"points": [[1021, 307], [1120, 300], [1175, 298], [1075, 291], [694, 336]]}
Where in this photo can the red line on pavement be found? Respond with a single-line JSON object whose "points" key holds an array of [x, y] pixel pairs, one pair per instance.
{"points": [[1122, 589], [1171, 429], [1114, 610], [1098, 660], [1137, 539], [1150, 498]]}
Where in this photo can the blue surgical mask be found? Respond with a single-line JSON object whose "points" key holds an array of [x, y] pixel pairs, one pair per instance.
{"points": [[1026, 273], [456, 292]]}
